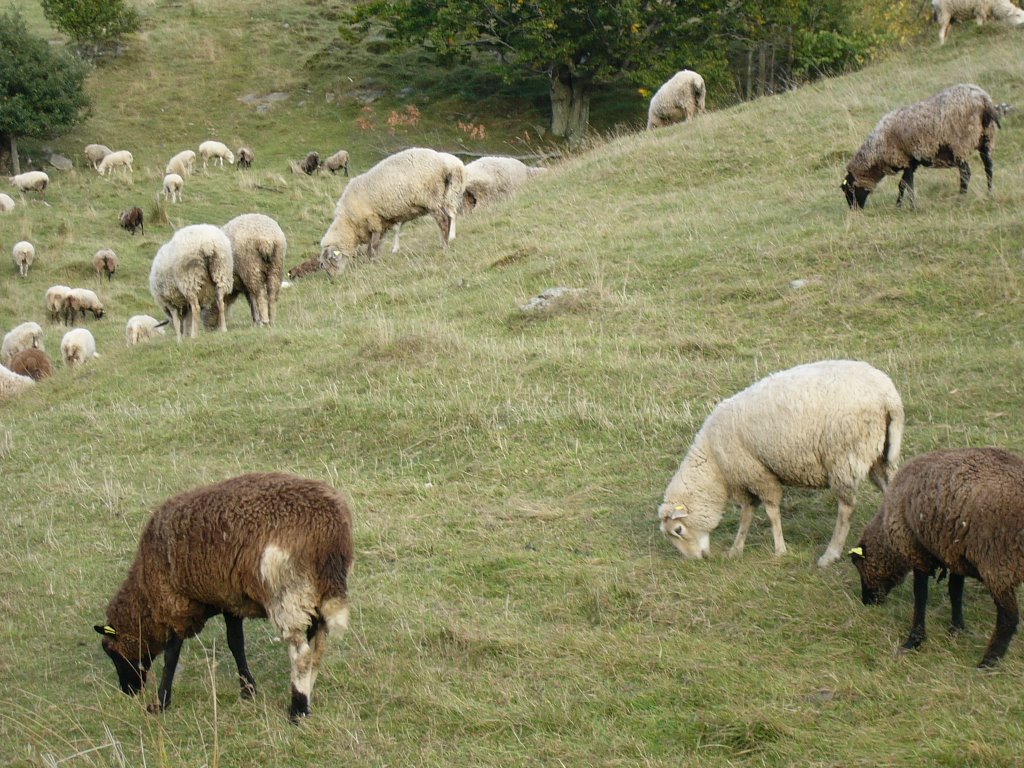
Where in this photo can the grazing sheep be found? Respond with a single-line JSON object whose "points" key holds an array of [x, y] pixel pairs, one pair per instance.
{"points": [[132, 219], [23, 253], [6, 203], [258, 249], [308, 267], [192, 270], [939, 132], [216, 150], [337, 162], [55, 297], [948, 11], [310, 163], [141, 328], [31, 181], [262, 545], [958, 510], [33, 363], [78, 347], [24, 336], [399, 188], [105, 263], [680, 99], [95, 153], [121, 159], [828, 424], [490, 179], [173, 184], [78, 301], [12, 383], [182, 163], [245, 157]]}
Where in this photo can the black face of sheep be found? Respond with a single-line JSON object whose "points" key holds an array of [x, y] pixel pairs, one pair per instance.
{"points": [[131, 675], [875, 583], [856, 196]]}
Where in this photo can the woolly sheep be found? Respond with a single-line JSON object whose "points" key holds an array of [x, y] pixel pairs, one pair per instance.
{"points": [[337, 162], [959, 510], [827, 424], [399, 188], [310, 163], [78, 347], [105, 263], [490, 179], [262, 545], [258, 249], [78, 301], [23, 254], [132, 219], [121, 159], [679, 99], [6, 203], [173, 184], [55, 296], [193, 269], [182, 163], [31, 181], [940, 132], [94, 153], [308, 267], [12, 383], [33, 363], [24, 336], [141, 328], [217, 151], [245, 157], [948, 11]]}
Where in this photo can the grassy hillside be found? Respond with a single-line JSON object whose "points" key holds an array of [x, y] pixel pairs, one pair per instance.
{"points": [[514, 603]]}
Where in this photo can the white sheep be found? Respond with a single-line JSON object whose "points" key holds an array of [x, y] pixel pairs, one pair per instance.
{"points": [[31, 181], [404, 186], [121, 159], [490, 179], [12, 383], [681, 98], [173, 184], [141, 328], [55, 298], [258, 250], [182, 163], [94, 153], [192, 270], [217, 151], [6, 203], [828, 424], [78, 347], [78, 301], [337, 162], [23, 253], [27, 335], [948, 11]]}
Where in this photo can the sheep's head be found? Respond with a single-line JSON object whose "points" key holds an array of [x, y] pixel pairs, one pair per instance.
{"points": [[332, 260], [690, 542], [856, 196], [880, 567], [130, 662]]}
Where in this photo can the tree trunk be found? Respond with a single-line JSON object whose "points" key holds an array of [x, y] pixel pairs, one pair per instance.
{"points": [[15, 164], [570, 104]]}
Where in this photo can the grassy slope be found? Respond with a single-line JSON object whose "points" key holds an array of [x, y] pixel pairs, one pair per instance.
{"points": [[514, 602]]}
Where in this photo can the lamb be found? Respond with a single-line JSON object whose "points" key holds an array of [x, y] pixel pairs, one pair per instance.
{"points": [[948, 11], [337, 162], [827, 424], [105, 263], [12, 383], [141, 328], [679, 99], [23, 253], [33, 363], [31, 181], [310, 163], [490, 179], [182, 163], [958, 510], [258, 248], [78, 347], [941, 132], [78, 301], [193, 269], [262, 545], [132, 219], [24, 336], [95, 153], [308, 267], [55, 297], [173, 184], [216, 150], [6, 203], [245, 157], [399, 188], [121, 159]]}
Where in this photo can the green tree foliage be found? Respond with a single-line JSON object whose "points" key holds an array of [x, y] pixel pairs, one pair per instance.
{"points": [[42, 92], [92, 25]]}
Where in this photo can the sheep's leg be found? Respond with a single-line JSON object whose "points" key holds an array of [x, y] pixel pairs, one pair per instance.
{"points": [[956, 602], [301, 655], [746, 517], [193, 317], [986, 158], [965, 175], [171, 653], [236, 642], [1007, 617], [222, 323], [917, 628], [775, 516], [272, 293], [177, 322], [907, 185], [398, 233], [842, 530]]}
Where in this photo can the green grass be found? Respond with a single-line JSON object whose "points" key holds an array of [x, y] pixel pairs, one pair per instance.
{"points": [[514, 603]]}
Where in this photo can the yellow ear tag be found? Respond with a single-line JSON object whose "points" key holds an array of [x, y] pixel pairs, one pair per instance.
{"points": [[857, 551], [680, 508], [109, 630]]}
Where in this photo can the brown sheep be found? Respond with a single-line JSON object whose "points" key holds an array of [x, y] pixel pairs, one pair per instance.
{"points": [[33, 363], [105, 263], [262, 545], [310, 164], [308, 267], [961, 511], [245, 157], [132, 219]]}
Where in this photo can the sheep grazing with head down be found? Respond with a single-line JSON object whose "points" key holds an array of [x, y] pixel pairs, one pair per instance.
{"points": [[307, 267], [948, 11], [182, 163], [940, 132], [245, 157], [78, 347], [402, 187], [27, 335], [55, 297], [31, 181], [6, 203], [959, 511], [121, 159], [23, 254], [681, 98], [173, 184], [828, 424], [95, 153], [337, 162], [262, 545], [140, 328], [78, 301], [105, 263], [12, 383], [258, 249], [310, 163], [132, 219], [216, 150], [491, 179], [33, 363]]}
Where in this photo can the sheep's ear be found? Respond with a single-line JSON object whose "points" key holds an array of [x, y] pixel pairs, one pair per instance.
{"points": [[857, 552], [678, 512], [106, 629]]}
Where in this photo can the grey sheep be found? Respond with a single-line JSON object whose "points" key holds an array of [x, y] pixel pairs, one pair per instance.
{"points": [[95, 153], [940, 132]]}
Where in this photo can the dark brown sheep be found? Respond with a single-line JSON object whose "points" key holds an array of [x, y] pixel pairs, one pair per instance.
{"points": [[132, 219], [310, 164], [263, 545], [308, 267], [245, 157], [960, 511], [33, 363]]}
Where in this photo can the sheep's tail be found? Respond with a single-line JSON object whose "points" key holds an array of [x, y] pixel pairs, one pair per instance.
{"points": [[161, 325], [886, 465]]}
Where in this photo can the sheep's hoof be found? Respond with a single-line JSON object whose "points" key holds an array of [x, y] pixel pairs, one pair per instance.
{"points": [[826, 560], [734, 552], [155, 708], [248, 692], [956, 629]]}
